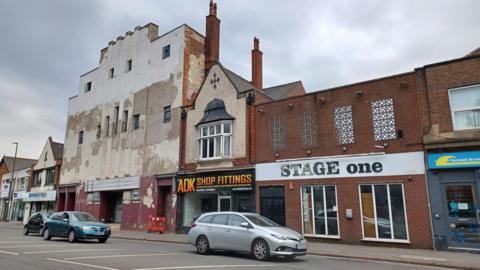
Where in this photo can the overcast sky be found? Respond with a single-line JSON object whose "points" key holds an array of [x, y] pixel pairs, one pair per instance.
{"points": [[46, 45]]}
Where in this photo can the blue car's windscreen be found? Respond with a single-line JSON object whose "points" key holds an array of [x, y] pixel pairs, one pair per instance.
{"points": [[83, 217]]}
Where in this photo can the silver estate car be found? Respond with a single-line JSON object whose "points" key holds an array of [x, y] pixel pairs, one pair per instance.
{"points": [[245, 232]]}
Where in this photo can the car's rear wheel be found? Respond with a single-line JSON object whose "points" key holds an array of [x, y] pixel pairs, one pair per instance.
{"points": [[46, 234], [72, 236], [203, 246], [260, 250], [25, 230], [102, 240]]}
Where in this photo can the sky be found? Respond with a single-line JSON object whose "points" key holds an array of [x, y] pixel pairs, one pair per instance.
{"points": [[45, 46]]}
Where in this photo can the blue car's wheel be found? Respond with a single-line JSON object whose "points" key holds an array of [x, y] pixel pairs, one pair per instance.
{"points": [[72, 236]]}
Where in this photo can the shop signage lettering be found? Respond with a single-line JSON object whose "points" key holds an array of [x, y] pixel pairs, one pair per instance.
{"points": [[336, 167], [131, 182], [204, 182], [40, 196], [466, 159]]}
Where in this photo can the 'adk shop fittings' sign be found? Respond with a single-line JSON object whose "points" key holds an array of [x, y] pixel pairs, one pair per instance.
{"points": [[242, 180], [337, 167]]}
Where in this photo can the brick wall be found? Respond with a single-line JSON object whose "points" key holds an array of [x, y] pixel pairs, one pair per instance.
{"points": [[416, 200], [402, 88]]}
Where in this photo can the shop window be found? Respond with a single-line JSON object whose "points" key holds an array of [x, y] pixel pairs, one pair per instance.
{"points": [[37, 179], [343, 121], [50, 177], [383, 212], [277, 133], [383, 120], [465, 107], [215, 140], [320, 211], [308, 129]]}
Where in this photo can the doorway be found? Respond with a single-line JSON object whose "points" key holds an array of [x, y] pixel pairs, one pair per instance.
{"points": [[111, 206], [225, 203], [272, 203], [461, 207]]}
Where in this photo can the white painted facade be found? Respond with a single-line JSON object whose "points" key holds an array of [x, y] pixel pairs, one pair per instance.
{"points": [[234, 105], [153, 82]]}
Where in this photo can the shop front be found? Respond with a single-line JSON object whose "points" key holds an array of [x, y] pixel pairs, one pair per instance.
{"points": [[214, 191], [454, 185], [378, 199], [39, 201], [105, 198]]}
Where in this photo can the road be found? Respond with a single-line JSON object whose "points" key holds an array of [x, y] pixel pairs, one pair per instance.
{"points": [[32, 252]]}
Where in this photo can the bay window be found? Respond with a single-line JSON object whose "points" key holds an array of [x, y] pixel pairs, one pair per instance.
{"points": [[215, 140]]}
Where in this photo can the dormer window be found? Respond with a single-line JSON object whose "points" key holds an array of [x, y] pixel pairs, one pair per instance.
{"points": [[215, 132]]}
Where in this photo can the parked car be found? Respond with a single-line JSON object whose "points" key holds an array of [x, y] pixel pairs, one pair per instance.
{"points": [[35, 223], [74, 226], [245, 232]]}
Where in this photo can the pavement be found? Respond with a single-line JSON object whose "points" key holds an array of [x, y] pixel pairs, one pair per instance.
{"points": [[445, 259]]}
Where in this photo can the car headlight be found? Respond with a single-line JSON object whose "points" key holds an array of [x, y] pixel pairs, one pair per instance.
{"points": [[86, 228], [280, 237], [108, 228]]}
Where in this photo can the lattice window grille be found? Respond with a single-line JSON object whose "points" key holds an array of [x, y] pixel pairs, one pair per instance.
{"points": [[308, 129], [278, 133], [343, 121], [383, 120]]}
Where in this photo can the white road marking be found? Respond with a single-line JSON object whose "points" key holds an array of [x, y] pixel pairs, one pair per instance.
{"points": [[7, 252], [207, 266], [69, 250], [10, 242], [82, 264], [115, 256], [34, 246], [422, 258]]}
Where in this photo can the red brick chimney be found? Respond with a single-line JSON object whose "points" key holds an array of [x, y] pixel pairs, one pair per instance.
{"points": [[212, 37], [257, 80]]}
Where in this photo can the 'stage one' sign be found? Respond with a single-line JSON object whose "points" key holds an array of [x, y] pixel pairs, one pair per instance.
{"points": [[340, 166]]}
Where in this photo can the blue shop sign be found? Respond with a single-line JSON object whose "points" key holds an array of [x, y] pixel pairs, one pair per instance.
{"points": [[454, 160]]}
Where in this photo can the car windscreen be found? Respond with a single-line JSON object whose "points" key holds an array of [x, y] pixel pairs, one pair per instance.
{"points": [[83, 217], [261, 221]]}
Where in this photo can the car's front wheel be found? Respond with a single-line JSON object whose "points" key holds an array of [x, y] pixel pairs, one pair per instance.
{"points": [[102, 240], [46, 234], [40, 232], [25, 230], [72, 236], [260, 250], [203, 246]]}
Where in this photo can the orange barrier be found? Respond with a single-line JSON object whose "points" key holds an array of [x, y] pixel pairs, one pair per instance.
{"points": [[156, 224]]}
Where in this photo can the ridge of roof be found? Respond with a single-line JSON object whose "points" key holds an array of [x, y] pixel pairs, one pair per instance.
{"points": [[241, 84], [280, 91]]}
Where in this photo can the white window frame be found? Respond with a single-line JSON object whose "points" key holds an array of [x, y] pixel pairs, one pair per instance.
{"points": [[452, 111], [377, 239], [222, 135], [325, 212]]}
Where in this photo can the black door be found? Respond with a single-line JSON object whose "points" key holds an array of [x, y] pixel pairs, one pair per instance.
{"points": [[272, 203]]}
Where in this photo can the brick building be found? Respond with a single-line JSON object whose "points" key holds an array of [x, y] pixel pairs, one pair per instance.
{"points": [[450, 92], [346, 164]]}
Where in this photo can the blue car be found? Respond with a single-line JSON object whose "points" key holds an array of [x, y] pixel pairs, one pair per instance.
{"points": [[75, 226]]}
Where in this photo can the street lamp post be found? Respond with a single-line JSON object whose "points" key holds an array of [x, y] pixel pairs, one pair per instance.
{"points": [[10, 192]]}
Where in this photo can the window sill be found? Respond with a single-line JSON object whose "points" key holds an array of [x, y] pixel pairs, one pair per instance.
{"points": [[386, 240], [212, 160], [322, 236]]}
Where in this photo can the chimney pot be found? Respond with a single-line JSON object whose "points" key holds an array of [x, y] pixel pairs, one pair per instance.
{"points": [[212, 37]]}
